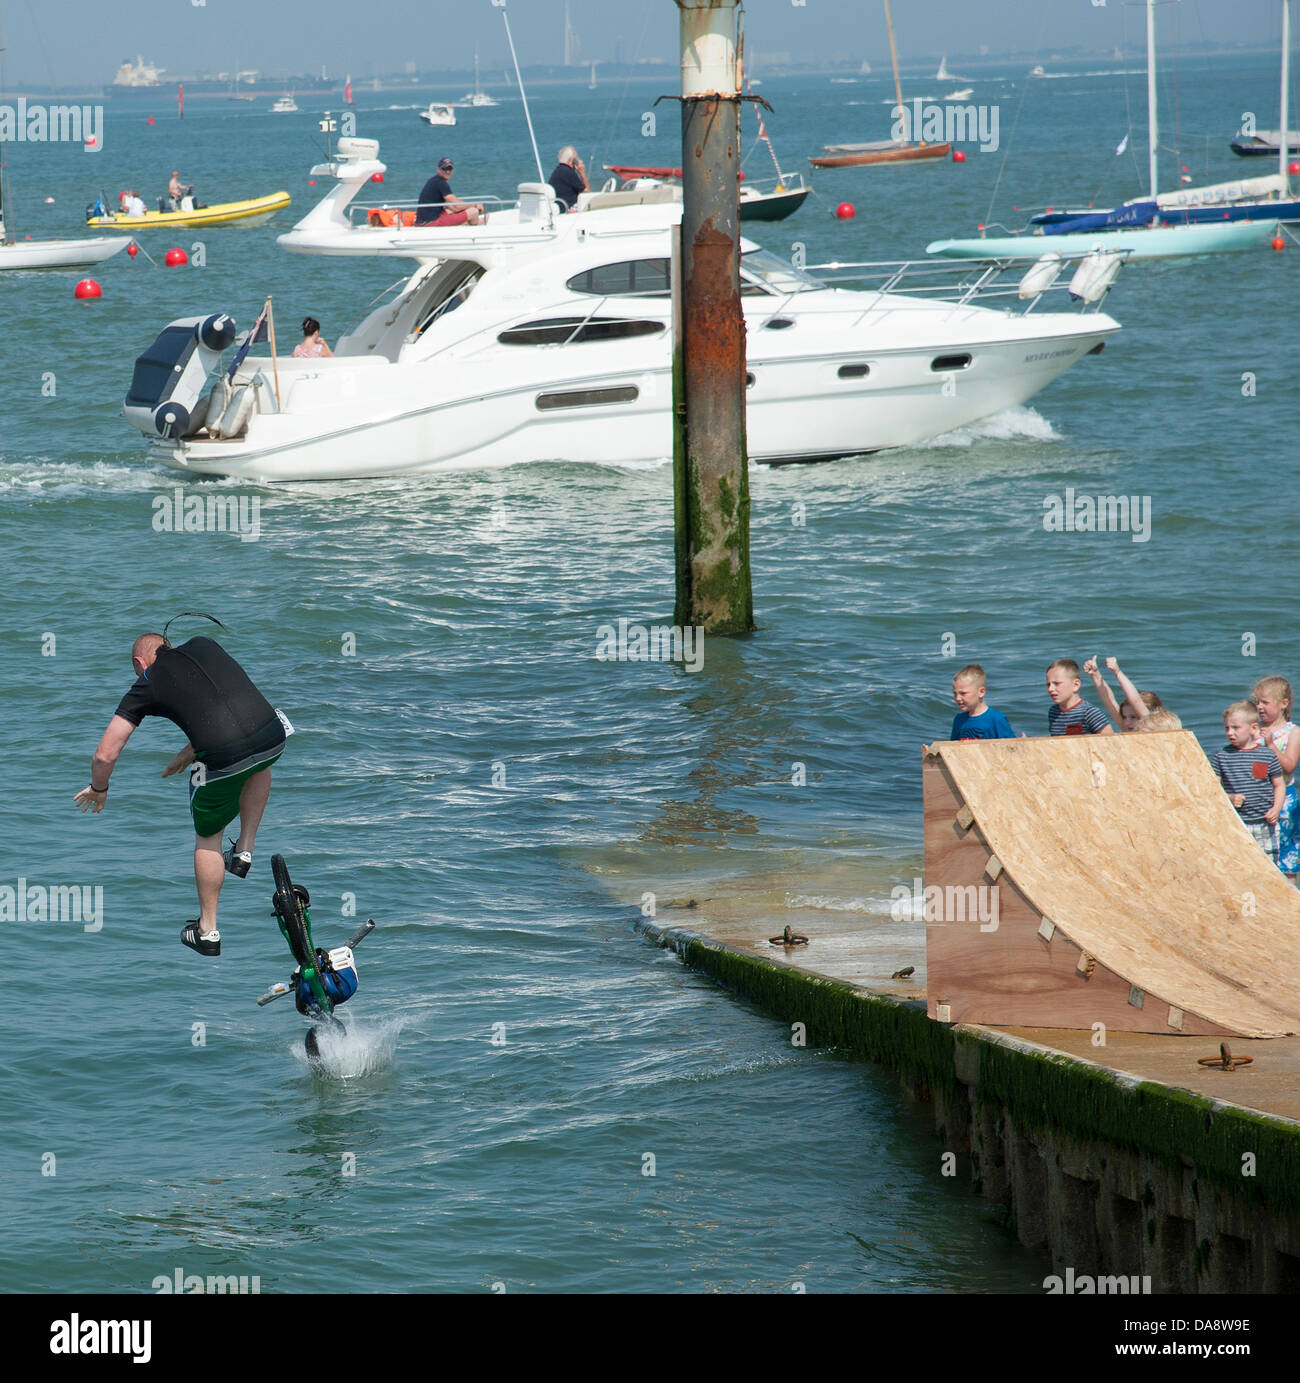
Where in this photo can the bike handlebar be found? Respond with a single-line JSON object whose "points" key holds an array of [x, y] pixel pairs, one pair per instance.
{"points": [[361, 933]]}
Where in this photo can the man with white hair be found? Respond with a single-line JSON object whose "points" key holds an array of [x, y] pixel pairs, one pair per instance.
{"points": [[569, 178]]}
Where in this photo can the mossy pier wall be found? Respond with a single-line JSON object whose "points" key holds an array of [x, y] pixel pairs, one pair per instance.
{"points": [[1108, 1174]]}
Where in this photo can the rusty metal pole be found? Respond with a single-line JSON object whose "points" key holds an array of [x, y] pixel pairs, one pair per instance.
{"points": [[710, 467]]}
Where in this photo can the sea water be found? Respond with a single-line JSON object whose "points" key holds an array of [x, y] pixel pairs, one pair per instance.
{"points": [[547, 1100]]}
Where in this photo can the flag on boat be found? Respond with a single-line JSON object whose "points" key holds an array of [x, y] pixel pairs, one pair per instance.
{"points": [[253, 337], [1123, 144]]}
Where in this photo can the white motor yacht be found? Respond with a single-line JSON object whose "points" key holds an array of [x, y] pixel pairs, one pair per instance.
{"points": [[546, 336], [438, 113]]}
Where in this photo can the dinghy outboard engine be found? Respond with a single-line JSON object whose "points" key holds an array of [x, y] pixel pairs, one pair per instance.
{"points": [[170, 376]]}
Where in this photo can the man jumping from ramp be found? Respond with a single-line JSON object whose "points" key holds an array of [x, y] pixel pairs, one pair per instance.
{"points": [[235, 735]]}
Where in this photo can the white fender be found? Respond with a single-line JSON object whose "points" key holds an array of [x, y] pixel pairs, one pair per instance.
{"points": [[237, 413], [215, 405], [1095, 274], [1041, 275]]}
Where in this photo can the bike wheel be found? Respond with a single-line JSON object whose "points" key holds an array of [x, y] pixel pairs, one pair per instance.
{"points": [[290, 909]]}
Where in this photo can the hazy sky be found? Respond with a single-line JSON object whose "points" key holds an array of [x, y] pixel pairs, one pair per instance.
{"points": [[81, 42]]}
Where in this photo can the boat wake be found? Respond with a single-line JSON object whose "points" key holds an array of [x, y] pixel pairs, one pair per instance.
{"points": [[62, 479], [362, 1049], [1012, 424]]}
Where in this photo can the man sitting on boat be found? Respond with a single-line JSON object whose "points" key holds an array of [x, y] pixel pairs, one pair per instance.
{"points": [[569, 178], [439, 205], [133, 205]]}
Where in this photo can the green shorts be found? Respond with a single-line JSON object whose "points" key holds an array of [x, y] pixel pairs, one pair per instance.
{"points": [[214, 805]]}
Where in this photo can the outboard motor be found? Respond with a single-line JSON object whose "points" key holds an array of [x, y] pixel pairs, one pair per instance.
{"points": [[170, 376]]}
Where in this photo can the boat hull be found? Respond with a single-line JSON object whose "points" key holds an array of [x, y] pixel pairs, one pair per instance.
{"points": [[252, 209], [1256, 146], [61, 254], [1160, 242], [352, 419], [902, 153], [773, 206]]}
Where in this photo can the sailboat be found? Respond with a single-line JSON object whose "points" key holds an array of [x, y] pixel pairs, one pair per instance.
{"points": [[1244, 199], [347, 92], [479, 97], [591, 85], [1151, 227], [884, 150], [943, 75], [757, 201]]}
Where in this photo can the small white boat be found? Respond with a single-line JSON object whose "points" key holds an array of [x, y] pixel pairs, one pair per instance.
{"points": [[286, 105], [439, 113], [59, 254], [52, 254], [961, 94]]}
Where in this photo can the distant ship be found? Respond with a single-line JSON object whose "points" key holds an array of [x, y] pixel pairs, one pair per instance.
{"points": [[138, 73]]}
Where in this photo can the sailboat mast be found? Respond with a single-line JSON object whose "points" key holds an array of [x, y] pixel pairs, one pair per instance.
{"points": [[5, 235], [893, 57], [1153, 132], [1284, 142]]}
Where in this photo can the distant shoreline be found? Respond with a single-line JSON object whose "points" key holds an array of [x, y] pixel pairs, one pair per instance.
{"points": [[271, 88]]}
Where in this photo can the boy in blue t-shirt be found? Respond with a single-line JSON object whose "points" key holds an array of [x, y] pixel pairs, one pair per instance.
{"points": [[974, 720], [1251, 775]]}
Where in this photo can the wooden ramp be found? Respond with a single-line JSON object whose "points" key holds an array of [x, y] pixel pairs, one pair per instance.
{"points": [[1128, 892]]}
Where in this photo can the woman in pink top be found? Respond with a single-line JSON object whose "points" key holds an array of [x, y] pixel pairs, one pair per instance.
{"points": [[311, 345]]}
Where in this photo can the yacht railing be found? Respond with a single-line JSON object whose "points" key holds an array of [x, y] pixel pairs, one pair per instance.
{"points": [[361, 210], [960, 282]]}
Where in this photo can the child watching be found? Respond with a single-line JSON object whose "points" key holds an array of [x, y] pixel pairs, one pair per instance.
{"points": [[1070, 713], [1136, 706], [1251, 775], [1273, 698], [974, 719], [1160, 719]]}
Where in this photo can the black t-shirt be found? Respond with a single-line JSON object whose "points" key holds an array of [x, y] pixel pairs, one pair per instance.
{"points": [[201, 688], [567, 184], [432, 196]]}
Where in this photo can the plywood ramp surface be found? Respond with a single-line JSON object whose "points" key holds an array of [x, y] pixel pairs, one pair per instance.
{"points": [[1128, 845]]}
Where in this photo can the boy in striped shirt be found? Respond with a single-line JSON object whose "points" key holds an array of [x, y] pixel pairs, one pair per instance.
{"points": [[1070, 714], [1251, 775]]}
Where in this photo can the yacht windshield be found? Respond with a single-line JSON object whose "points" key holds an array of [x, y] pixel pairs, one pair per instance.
{"points": [[777, 274]]}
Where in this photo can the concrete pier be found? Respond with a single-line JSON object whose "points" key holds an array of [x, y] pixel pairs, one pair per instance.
{"points": [[1125, 1161]]}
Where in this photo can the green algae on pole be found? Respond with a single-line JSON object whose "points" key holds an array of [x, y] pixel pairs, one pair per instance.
{"points": [[710, 465]]}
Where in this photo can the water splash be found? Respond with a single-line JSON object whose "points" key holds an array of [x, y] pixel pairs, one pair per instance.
{"points": [[359, 1049]]}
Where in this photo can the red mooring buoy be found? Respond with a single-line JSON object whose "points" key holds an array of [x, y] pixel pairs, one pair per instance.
{"points": [[88, 288], [959, 155], [846, 211], [175, 256]]}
